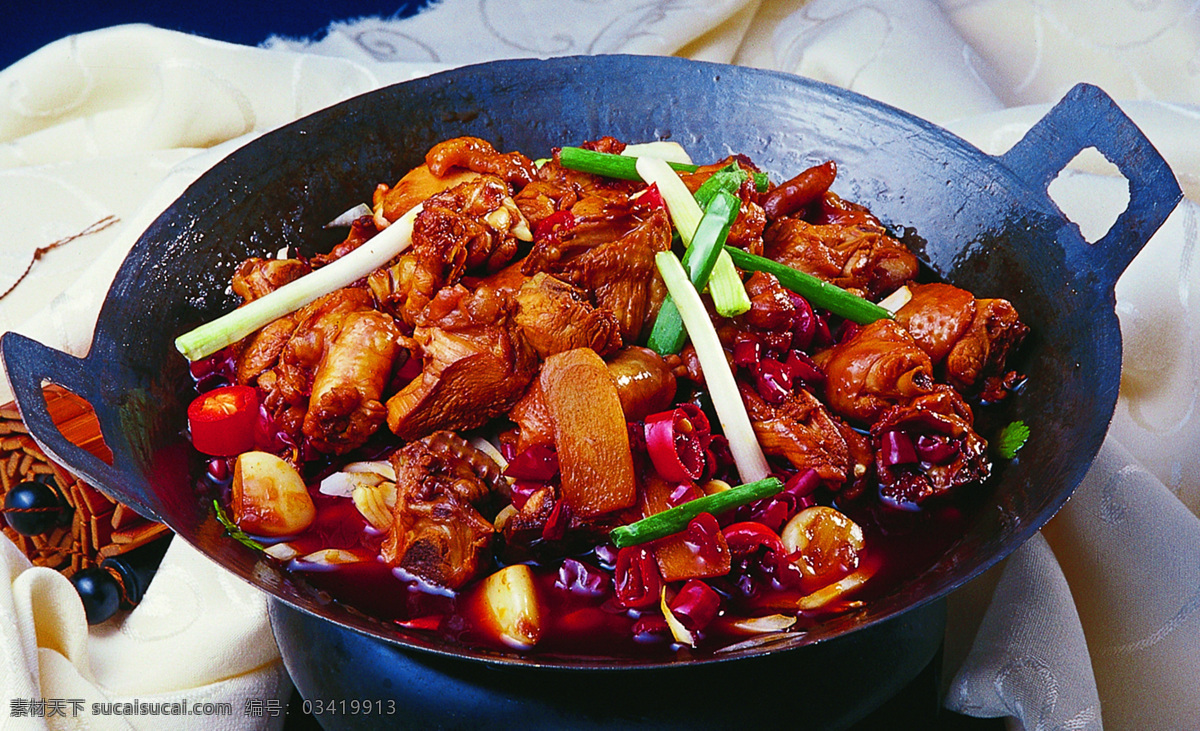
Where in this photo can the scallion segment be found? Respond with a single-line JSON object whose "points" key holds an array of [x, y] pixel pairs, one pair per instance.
{"points": [[725, 284], [668, 150], [819, 293], [668, 334], [727, 400], [673, 520], [623, 167], [728, 179], [233, 326]]}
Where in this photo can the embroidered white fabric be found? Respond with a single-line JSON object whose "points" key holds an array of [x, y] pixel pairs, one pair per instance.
{"points": [[1097, 619]]}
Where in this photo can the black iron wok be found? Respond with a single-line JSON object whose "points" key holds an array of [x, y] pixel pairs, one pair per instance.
{"points": [[984, 223]]}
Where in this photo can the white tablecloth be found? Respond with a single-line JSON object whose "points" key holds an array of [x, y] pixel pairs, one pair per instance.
{"points": [[1095, 621]]}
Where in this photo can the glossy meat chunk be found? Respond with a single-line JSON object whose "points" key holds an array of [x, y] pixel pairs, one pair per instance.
{"points": [[472, 153], [361, 231], [937, 316], [475, 365], [535, 423], [747, 229], [802, 431], [982, 351], [288, 384], [260, 350], [858, 257], [971, 338], [473, 226], [621, 274], [877, 367], [391, 202], [256, 277], [344, 409], [556, 316], [436, 533]]}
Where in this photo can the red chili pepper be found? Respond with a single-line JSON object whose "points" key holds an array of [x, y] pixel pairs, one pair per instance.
{"points": [[223, 421], [554, 225], [747, 350], [696, 605], [538, 463], [636, 580], [649, 199], [676, 441], [558, 522], [428, 622], [706, 553], [803, 369], [748, 536]]}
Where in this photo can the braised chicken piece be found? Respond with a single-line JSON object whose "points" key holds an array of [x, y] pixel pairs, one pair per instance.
{"points": [[362, 229], [928, 447], [256, 277], [448, 164], [475, 364], [877, 367], [804, 433], [981, 353], [571, 212], [527, 525], [971, 338], [259, 351], [437, 533], [389, 203], [288, 384], [344, 409], [556, 316], [472, 226], [937, 316], [622, 276], [472, 153], [859, 257], [771, 314], [535, 423], [253, 279]]}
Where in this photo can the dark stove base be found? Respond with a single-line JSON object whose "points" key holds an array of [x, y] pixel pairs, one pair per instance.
{"points": [[883, 676]]}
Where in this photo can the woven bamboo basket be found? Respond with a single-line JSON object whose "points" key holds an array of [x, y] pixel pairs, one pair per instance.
{"points": [[100, 527]]}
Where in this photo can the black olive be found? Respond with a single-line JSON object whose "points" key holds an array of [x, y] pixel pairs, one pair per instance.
{"points": [[34, 507], [100, 592]]}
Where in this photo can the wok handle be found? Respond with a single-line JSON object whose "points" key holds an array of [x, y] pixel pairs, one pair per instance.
{"points": [[29, 364], [1087, 117]]}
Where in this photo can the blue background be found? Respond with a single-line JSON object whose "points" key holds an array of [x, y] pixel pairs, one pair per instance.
{"points": [[26, 26]]}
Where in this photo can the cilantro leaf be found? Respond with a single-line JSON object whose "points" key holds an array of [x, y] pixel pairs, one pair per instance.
{"points": [[235, 532], [1011, 439]]}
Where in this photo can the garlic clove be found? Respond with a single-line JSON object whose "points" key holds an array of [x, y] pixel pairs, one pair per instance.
{"points": [[269, 496], [511, 610]]}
